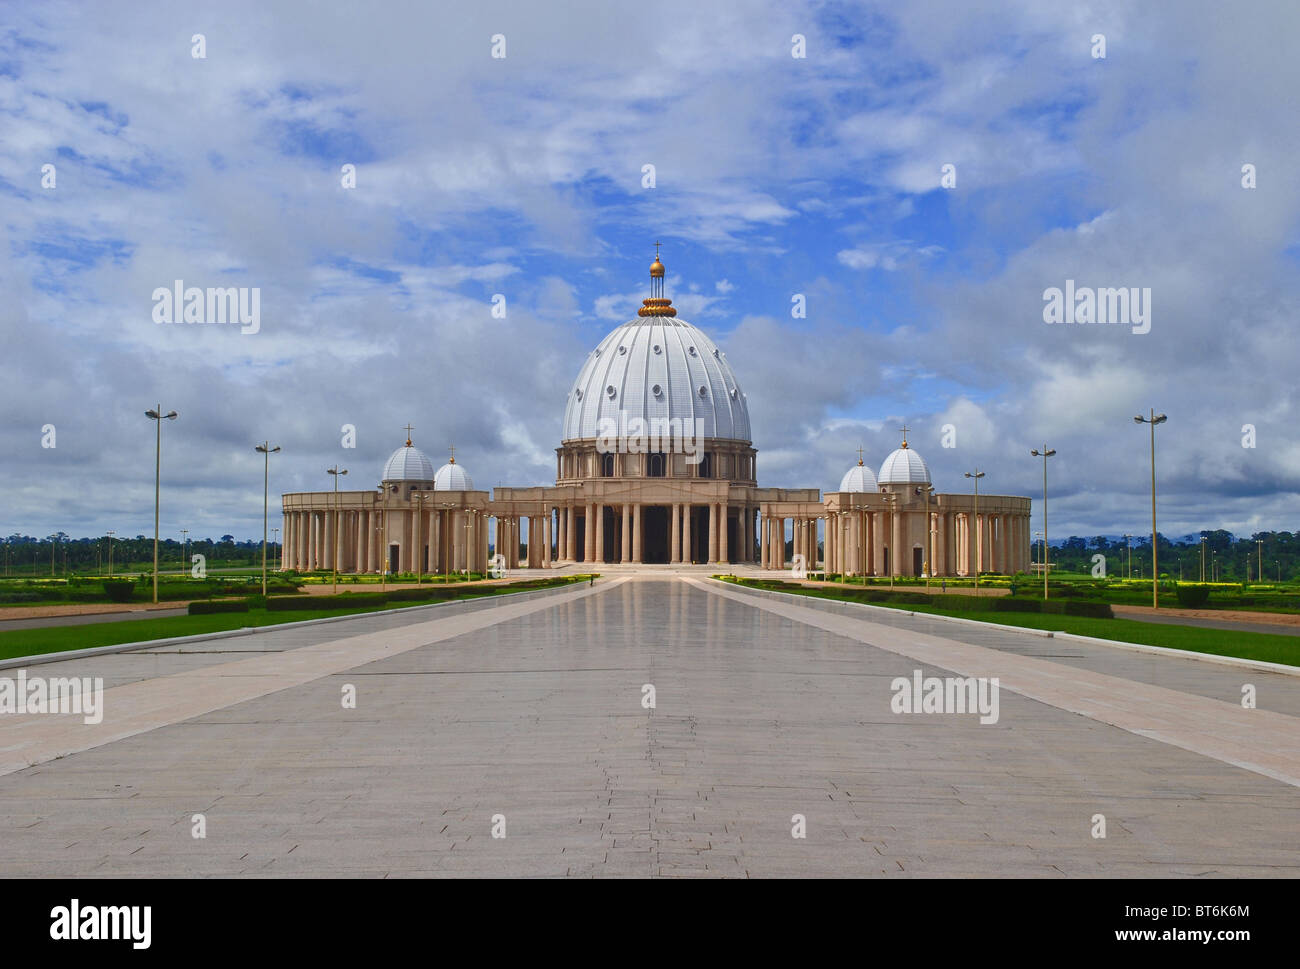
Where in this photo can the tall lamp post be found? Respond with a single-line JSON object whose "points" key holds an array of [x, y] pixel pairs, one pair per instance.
{"points": [[1153, 420], [158, 416], [891, 501], [111, 533], [421, 498], [1045, 453], [185, 537], [275, 543], [266, 451], [1202, 558], [928, 565], [1128, 568], [336, 472], [383, 539], [975, 527]]}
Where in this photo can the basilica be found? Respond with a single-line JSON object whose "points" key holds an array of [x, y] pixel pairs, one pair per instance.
{"points": [[656, 465]]}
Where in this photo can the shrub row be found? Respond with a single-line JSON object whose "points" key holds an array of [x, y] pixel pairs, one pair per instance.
{"points": [[208, 606], [307, 603], [950, 602]]}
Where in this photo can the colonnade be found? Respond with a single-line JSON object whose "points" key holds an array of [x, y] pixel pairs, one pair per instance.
{"points": [[447, 539], [690, 538], [955, 543]]}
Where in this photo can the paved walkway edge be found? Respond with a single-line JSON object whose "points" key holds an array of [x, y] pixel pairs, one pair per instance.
{"points": [[69, 654], [843, 604]]}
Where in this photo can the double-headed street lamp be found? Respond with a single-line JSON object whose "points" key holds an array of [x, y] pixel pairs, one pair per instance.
{"points": [[1153, 420], [266, 451], [975, 527], [336, 472], [158, 416], [1045, 453]]}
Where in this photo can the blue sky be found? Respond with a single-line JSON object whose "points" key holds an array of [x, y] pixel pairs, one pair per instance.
{"points": [[775, 176]]}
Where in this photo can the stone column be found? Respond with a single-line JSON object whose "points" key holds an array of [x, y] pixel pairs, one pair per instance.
{"points": [[589, 534], [627, 534], [546, 542], [676, 532], [723, 551], [686, 534], [712, 554], [636, 534], [600, 534]]}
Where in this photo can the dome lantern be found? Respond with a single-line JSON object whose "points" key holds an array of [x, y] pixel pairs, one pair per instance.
{"points": [[657, 304]]}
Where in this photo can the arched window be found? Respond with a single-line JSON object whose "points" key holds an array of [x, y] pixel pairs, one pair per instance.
{"points": [[656, 466], [607, 465], [706, 465]]}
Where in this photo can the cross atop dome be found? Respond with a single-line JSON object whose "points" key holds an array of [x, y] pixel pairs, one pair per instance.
{"points": [[408, 434], [452, 459], [859, 456], [904, 429]]}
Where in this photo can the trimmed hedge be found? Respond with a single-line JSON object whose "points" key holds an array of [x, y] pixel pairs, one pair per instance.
{"points": [[1193, 596], [209, 606], [1016, 605], [1090, 610], [119, 590], [342, 601]]}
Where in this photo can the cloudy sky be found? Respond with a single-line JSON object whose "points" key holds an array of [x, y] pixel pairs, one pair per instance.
{"points": [[522, 175]]}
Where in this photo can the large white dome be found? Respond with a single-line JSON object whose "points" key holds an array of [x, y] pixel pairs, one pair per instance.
{"points": [[657, 368], [904, 466], [408, 464], [858, 478]]}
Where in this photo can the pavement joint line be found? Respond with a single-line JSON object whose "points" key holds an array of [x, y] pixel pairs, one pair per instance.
{"points": [[1258, 664], [1260, 741], [68, 654], [36, 738]]}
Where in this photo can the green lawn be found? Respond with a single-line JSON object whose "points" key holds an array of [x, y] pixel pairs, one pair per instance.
{"points": [[1265, 647], [54, 639]]}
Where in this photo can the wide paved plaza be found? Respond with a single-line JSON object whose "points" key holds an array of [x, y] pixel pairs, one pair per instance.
{"points": [[526, 715]]}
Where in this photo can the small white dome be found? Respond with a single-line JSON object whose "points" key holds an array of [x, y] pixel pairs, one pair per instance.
{"points": [[904, 466], [452, 477], [858, 478], [408, 464]]}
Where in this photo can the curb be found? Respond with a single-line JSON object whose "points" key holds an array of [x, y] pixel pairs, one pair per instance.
{"points": [[1237, 661], [90, 651]]}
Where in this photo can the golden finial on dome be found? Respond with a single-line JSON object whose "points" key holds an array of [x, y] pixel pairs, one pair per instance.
{"points": [[859, 457], [657, 304], [408, 435], [905, 429], [452, 459]]}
